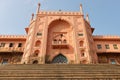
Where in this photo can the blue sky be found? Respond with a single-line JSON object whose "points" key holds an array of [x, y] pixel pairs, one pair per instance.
{"points": [[104, 14]]}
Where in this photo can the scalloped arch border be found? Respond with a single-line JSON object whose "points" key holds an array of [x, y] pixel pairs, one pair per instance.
{"points": [[63, 19]]}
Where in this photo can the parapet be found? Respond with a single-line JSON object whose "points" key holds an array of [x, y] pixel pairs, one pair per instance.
{"points": [[107, 37], [59, 13], [12, 36]]}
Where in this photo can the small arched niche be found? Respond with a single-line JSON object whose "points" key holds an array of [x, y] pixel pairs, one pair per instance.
{"points": [[64, 41], [36, 53], [35, 62], [55, 41], [81, 43], [84, 62], [82, 53], [59, 41], [37, 43]]}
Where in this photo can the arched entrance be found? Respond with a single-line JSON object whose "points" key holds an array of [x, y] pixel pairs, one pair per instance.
{"points": [[60, 59]]}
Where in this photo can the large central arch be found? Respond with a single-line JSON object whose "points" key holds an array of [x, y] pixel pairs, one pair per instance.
{"points": [[58, 37], [60, 59]]}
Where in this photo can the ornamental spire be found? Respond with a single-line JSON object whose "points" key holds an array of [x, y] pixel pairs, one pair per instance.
{"points": [[81, 9], [32, 16], [38, 9], [87, 18]]}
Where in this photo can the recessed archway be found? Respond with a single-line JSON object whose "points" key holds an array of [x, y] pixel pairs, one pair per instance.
{"points": [[57, 37], [35, 62], [59, 59], [81, 43], [58, 31], [37, 44], [36, 53]]}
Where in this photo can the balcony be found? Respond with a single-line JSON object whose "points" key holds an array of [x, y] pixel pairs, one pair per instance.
{"points": [[60, 45], [11, 49]]}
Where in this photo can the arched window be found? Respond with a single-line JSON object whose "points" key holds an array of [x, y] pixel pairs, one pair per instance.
{"points": [[36, 53], [81, 43], [60, 41], [82, 53], [55, 41], [64, 41], [37, 44]]}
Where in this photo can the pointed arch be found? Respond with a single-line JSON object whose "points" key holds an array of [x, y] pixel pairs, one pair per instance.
{"points": [[64, 41], [37, 43], [59, 59], [59, 41], [82, 53], [58, 19], [35, 62], [55, 41], [36, 53], [81, 43]]}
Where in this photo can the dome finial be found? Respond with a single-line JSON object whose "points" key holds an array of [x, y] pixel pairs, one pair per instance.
{"points": [[87, 18], [81, 9], [38, 9], [32, 16]]}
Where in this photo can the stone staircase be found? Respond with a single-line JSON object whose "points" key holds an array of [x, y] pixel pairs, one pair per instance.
{"points": [[60, 72]]}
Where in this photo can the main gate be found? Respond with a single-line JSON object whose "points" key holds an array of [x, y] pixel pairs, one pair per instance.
{"points": [[60, 59]]}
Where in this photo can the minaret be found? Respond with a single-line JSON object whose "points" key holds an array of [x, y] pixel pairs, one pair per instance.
{"points": [[28, 51], [38, 9], [87, 18], [81, 9]]}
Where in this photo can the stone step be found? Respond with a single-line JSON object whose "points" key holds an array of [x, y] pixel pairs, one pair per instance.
{"points": [[53, 78], [64, 65], [57, 75], [56, 67], [65, 70], [99, 70], [53, 71], [58, 72]]}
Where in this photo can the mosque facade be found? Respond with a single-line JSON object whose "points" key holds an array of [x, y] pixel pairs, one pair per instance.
{"points": [[59, 37]]}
